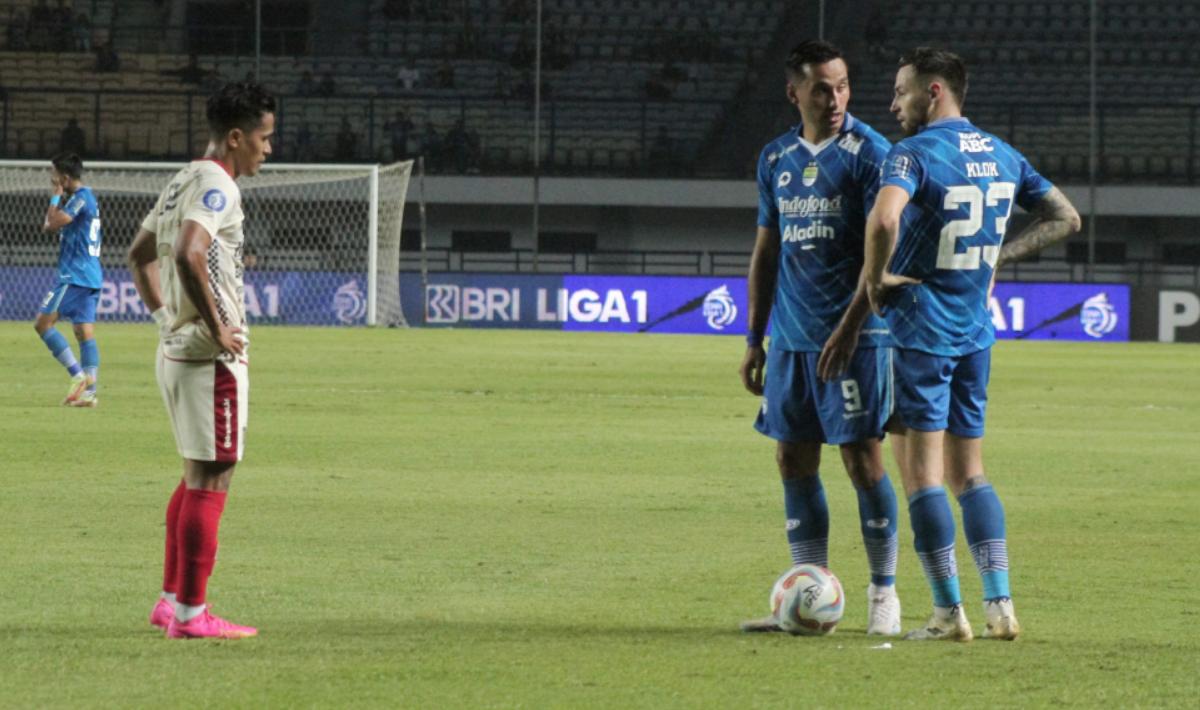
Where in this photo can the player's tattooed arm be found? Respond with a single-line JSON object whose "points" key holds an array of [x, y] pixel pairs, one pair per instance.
{"points": [[1056, 219], [764, 269]]}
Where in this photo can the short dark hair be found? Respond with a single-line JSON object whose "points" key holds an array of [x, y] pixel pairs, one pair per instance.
{"points": [[68, 164], [810, 51], [239, 104], [929, 62]]}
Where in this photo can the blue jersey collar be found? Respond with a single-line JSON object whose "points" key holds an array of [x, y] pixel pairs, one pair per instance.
{"points": [[847, 127], [946, 123]]}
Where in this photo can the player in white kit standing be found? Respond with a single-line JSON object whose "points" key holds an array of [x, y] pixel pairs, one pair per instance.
{"points": [[187, 263]]}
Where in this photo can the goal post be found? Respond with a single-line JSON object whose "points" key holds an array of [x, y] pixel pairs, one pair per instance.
{"points": [[323, 242]]}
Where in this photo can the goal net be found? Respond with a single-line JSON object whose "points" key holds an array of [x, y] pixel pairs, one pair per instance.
{"points": [[322, 241]]}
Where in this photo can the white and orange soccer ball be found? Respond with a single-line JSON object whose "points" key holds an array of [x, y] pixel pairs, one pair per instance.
{"points": [[808, 600]]}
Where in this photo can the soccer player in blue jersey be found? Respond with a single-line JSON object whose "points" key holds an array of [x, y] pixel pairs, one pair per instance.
{"points": [[827, 376], [934, 241], [74, 215]]}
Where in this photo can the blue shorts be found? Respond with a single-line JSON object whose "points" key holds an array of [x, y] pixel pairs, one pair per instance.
{"points": [[798, 406], [74, 303], [934, 392]]}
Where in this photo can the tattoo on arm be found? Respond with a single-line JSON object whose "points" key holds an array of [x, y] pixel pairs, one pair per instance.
{"points": [[1056, 220]]}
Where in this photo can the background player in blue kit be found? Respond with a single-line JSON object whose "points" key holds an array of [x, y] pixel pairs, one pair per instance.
{"points": [[947, 193], [75, 216], [828, 373]]}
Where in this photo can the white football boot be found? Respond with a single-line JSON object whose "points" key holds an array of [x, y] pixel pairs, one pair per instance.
{"points": [[945, 624], [1001, 620], [883, 611], [87, 399], [79, 384]]}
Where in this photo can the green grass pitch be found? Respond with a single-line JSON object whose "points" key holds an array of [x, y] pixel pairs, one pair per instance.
{"points": [[517, 519]]}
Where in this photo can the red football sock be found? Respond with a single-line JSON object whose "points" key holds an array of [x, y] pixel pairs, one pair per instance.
{"points": [[170, 585], [199, 518]]}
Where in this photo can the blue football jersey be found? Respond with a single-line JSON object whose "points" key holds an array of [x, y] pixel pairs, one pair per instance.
{"points": [[818, 197], [79, 241], [963, 183]]}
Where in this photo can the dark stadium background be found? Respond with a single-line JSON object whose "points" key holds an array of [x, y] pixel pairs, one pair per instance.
{"points": [[650, 115]]}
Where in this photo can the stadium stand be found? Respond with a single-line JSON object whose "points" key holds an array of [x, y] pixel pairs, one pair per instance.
{"points": [[629, 86]]}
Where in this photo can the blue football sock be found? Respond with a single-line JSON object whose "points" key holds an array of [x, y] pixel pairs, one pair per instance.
{"points": [[61, 350], [877, 512], [807, 520], [90, 355], [983, 522], [933, 533]]}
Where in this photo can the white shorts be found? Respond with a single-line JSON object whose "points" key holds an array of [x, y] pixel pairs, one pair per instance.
{"points": [[207, 395]]}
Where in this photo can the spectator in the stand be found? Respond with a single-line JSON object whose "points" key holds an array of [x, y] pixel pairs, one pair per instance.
{"points": [[876, 35], [656, 90], [504, 85], [458, 145], [18, 32], [468, 39], [397, 130], [307, 85], [518, 11], [72, 139], [82, 30], [397, 9], [41, 21], [304, 152], [407, 77], [190, 73], [554, 54], [523, 55], [347, 142], [661, 156], [431, 146], [445, 75], [327, 87], [526, 88], [106, 58], [62, 30]]}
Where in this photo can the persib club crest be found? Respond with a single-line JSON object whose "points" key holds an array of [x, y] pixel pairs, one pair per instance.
{"points": [[349, 302], [1097, 316], [719, 308], [810, 174]]}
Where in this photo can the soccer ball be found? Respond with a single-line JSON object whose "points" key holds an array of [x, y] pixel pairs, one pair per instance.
{"points": [[807, 600]]}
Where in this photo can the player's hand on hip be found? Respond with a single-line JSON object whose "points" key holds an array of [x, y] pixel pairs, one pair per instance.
{"points": [[877, 293], [835, 356], [753, 365], [230, 340]]}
